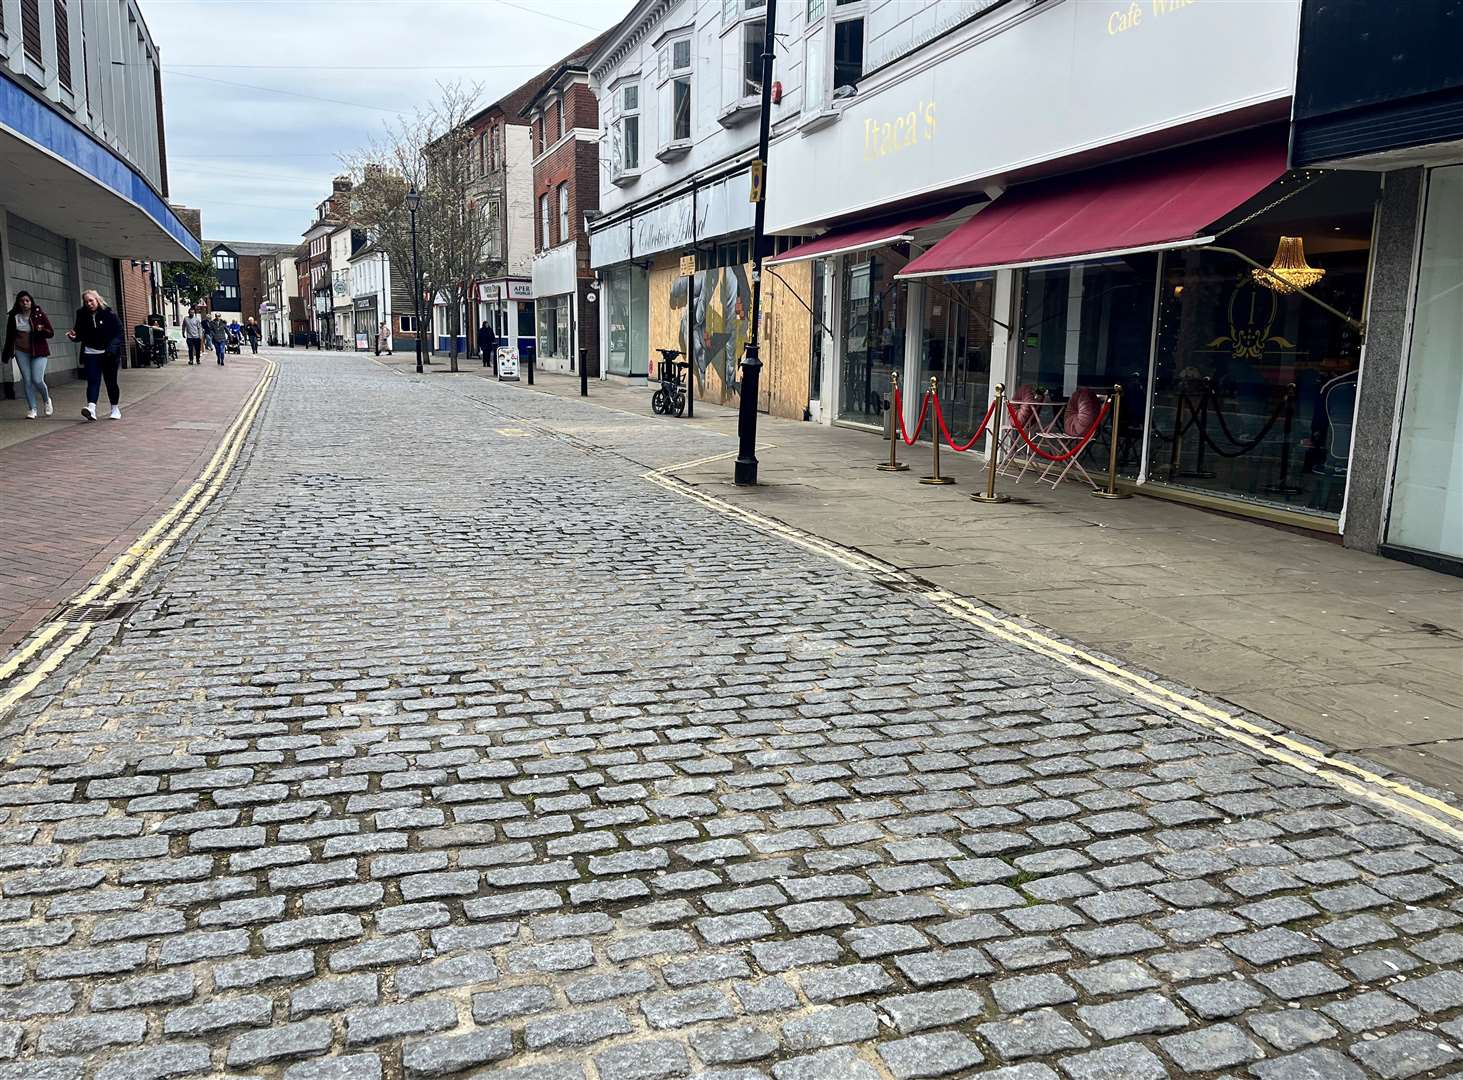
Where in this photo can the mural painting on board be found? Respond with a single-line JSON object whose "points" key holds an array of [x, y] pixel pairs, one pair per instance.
{"points": [[723, 310]]}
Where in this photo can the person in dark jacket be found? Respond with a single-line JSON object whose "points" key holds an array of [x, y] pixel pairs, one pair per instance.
{"points": [[99, 333], [27, 334], [218, 333], [251, 334], [488, 344]]}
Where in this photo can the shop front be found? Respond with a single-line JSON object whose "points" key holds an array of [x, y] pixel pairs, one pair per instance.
{"points": [[1221, 291], [507, 306], [366, 323]]}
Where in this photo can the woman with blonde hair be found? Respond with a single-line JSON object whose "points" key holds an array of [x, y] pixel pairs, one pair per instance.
{"points": [[99, 332]]}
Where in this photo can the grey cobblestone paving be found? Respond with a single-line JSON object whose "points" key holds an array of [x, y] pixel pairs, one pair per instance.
{"points": [[447, 748]]}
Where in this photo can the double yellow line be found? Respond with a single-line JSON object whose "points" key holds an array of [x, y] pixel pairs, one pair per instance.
{"points": [[1435, 813], [126, 572]]}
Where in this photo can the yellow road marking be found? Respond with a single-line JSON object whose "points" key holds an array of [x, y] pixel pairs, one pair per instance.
{"points": [[1278, 747], [144, 552], [141, 544], [12, 665], [44, 668]]}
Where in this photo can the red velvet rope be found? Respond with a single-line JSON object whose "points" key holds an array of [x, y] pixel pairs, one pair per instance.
{"points": [[919, 426], [1081, 445], [940, 416]]}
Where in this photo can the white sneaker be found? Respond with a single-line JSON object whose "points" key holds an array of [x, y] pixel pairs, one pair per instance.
{"points": [[48, 406], [31, 415], [116, 413], [89, 411]]}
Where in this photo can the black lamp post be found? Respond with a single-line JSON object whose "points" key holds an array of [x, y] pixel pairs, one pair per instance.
{"points": [[745, 469], [413, 201]]}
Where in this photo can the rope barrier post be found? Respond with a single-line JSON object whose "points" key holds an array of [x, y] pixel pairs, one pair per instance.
{"points": [[1112, 491], [893, 464], [1284, 486], [1178, 435], [989, 495], [1200, 472], [935, 477]]}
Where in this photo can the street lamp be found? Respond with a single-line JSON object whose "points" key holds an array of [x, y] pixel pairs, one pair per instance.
{"points": [[413, 201]]}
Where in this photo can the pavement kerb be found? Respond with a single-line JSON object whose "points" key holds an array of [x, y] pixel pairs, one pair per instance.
{"points": [[143, 552]]}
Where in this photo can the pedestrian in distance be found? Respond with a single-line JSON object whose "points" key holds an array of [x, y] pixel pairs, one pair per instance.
{"points": [[218, 333], [488, 344], [193, 330], [27, 334], [383, 340], [99, 332], [251, 334]]}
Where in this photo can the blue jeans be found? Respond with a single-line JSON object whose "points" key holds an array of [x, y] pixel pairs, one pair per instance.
{"points": [[33, 379], [218, 347]]}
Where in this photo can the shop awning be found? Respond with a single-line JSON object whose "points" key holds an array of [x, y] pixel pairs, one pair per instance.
{"points": [[841, 241], [1161, 201]]}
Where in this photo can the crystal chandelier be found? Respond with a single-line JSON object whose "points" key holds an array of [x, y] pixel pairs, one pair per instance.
{"points": [[1289, 271]]}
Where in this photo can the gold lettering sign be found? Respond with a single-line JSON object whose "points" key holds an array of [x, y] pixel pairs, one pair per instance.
{"points": [[901, 133], [1131, 17]]}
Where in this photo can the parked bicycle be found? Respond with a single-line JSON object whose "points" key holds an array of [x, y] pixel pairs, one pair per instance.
{"points": [[670, 399]]}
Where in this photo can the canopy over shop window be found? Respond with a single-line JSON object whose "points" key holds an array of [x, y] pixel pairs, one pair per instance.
{"points": [[1161, 201], [840, 241]]}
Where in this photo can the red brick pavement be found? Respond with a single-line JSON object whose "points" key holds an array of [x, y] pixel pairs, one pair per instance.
{"points": [[73, 499]]}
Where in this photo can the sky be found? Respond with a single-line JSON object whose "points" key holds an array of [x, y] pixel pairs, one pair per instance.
{"points": [[261, 98]]}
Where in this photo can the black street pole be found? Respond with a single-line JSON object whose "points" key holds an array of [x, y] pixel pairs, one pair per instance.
{"points": [[416, 280], [745, 471]]}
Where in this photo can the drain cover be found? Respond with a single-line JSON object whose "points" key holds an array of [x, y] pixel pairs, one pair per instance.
{"points": [[102, 612]]}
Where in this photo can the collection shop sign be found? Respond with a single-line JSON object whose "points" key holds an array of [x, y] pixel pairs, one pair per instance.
{"points": [[947, 114]]}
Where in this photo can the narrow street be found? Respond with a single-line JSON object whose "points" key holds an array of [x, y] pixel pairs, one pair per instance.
{"points": [[442, 744]]}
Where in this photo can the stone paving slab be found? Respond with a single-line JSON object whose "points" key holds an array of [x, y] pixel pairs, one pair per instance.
{"points": [[534, 769]]}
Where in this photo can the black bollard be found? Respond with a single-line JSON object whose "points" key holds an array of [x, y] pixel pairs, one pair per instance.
{"points": [[583, 372]]}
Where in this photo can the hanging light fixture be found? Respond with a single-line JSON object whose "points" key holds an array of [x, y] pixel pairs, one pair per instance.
{"points": [[1289, 271]]}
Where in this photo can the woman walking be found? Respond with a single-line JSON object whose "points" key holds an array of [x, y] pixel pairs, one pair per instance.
{"points": [[26, 339], [100, 333]]}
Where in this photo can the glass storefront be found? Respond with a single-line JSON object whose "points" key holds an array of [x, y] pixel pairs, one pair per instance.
{"points": [[1254, 386], [554, 326], [956, 349], [627, 308], [1427, 493], [1089, 325], [873, 327]]}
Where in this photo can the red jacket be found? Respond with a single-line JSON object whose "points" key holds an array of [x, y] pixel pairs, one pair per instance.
{"points": [[40, 330]]}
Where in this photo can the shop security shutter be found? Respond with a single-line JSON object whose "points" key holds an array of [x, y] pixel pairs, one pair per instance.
{"points": [[30, 31], [63, 44]]}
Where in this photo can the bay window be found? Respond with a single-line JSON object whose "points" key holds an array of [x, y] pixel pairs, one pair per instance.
{"points": [[675, 98], [625, 133]]}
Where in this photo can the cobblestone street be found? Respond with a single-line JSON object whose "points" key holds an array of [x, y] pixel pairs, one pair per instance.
{"points": [[443, 745]]}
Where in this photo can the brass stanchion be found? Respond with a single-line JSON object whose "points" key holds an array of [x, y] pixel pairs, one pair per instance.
{"points": [[1112, 491], [893, 464], [935, 477], [989, 495]]}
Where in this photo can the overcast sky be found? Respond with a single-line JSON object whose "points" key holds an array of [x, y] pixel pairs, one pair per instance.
{"points": [[262, 96]]}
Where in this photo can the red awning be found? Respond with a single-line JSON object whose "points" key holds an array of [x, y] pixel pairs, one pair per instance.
{"points": [[1160, 201], [848, 238]]}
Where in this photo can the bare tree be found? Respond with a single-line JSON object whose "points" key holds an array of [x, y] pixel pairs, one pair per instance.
{"points": [[430, 151]]}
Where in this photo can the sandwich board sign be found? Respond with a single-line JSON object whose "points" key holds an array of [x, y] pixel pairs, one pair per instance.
{"points": [[507, 364]]}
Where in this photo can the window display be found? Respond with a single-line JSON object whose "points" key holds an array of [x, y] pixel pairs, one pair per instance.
{"points": [[873, 328]]}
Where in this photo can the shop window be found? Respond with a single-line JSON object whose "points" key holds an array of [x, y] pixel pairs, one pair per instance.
{"points": [[525, 319], [873, 334], [1254, 386], [1427, 492], [627, 299], [554, 327]]}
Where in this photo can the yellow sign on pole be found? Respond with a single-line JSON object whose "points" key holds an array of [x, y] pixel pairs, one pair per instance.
{"points": [[688, 265], [758, 173]]}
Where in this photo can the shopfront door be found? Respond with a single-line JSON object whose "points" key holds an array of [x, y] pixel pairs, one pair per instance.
{"points": [[873, 326], [956, 350]]}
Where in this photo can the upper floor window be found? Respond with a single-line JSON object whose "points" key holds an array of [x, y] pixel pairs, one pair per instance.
{"points": [[563, 212], [63, 44], [754, 41], [492, 239], [625, 131], [543, 220], [732, 10], [815, 11], [559, 109], [848, 48], [223, 261], [30, 31], [675, 92], [495, 148]]}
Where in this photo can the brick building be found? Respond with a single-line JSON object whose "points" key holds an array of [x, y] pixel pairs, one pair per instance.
{"points": [[563, 121]]}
